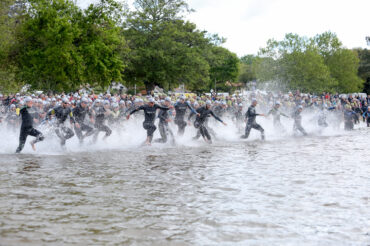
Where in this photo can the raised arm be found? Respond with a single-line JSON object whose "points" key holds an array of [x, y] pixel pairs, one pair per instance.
{"points": [[191, 108], [191, 115], [137, 109], [160, 107], [214, 116]]}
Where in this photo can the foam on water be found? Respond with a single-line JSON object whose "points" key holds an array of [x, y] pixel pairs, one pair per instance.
{"points": [[285, 191], [130, 136]]}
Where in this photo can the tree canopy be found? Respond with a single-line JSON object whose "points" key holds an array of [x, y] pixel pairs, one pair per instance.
{"points": [[168, 51], [59, 46], [312, 64], [55, 45]]}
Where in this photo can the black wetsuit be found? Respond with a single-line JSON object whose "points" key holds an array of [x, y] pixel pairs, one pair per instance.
{"points": [[251, 115], [298, 122], [79, 114], [163, 126], [115, 117], [180, 114], [238, 115], [219, 111], [149, 113], [275, 112], [99, 122], [366, 117], [201, 119], [61, 114], [349, 117], [27, 128]]}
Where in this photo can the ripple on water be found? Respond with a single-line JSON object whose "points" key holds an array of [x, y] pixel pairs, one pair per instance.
{"points": [[304, 191]]}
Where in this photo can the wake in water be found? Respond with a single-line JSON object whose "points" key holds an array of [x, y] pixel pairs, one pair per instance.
{"points": [[80, 123]]}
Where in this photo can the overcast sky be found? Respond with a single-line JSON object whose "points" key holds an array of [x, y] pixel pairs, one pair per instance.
{"points": [[248, 24]]}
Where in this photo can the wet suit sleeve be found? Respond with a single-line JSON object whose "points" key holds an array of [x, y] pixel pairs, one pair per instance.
{"points": [[284, 114], [21, 112], [191, 108], [191, 115], [250, 114], [161, 115], [137, 109], [214, 116], [160, 107]]}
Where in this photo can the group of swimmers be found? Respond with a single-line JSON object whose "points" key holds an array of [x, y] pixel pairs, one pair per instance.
{"points": [[86, 114]]}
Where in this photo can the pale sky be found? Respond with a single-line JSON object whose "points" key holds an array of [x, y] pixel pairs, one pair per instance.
{"points": [[248, 24]]}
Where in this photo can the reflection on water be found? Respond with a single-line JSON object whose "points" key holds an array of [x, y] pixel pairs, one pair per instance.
{"points": [[297, 191]]}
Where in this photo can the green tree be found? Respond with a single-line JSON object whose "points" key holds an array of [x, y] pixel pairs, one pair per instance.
{"points": [[364, 67], [11, 12], [46, 56], [311, 64], [295, 64], [247, 71], [224, 66], [101, 43], [306, 71], [165, 50], [60, 47], [343, 65]]}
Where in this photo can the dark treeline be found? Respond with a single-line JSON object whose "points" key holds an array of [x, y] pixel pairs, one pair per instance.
{"points": [[54, 45]]}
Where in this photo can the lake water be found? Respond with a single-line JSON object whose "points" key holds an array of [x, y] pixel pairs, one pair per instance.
{"points": [[285, 191]]}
